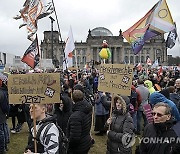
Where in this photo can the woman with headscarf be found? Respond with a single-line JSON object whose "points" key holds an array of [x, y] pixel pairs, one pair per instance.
{"points": [[121, 125]]}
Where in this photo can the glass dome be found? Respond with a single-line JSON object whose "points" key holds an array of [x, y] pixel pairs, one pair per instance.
{"points": [[101, 31]]}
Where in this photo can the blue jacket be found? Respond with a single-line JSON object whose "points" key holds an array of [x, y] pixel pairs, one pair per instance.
{"points": [[157, 97], [99, 108]]}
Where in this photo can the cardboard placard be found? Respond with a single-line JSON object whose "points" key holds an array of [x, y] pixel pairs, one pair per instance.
{"points": [[41, 88], [115, 78]]}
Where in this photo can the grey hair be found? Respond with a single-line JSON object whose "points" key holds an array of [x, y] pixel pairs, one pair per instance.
{"points": [[168, 108]]}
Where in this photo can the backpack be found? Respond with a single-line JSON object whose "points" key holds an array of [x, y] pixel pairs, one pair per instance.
{"points": [[63, 140], [133, 97]]}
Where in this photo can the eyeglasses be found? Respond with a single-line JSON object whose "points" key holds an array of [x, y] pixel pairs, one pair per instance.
{"points": [[158, 114]]}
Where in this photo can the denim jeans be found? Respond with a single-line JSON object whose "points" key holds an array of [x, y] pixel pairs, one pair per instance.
{"points": [[141, 115], [134, 117], [4, 137]]}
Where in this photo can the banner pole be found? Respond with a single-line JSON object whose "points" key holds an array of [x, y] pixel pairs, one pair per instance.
{"points": [[112, 103], [34, 124]]}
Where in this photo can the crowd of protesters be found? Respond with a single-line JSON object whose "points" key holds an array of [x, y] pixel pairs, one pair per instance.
{"points": [[82, 107]]}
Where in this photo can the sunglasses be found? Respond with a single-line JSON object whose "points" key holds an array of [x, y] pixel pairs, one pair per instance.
{"points": [[157, 114]]}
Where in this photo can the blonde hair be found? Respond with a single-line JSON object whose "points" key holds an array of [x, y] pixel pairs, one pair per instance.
{"points": [[122, 101]]}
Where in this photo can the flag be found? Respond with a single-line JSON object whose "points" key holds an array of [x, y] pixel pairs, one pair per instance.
{"points": [[32, 11], [139, 67], [157, 21], [160, 71], [155, 64], [148, 62], [171, 38], [31, 56], [69, 47]]}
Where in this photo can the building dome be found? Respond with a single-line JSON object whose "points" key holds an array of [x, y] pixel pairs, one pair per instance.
{"points": [[101, 31]]}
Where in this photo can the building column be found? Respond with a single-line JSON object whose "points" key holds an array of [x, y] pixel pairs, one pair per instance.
{"points": [[115, 53]]}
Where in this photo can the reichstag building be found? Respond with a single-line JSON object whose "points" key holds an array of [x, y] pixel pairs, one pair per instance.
{"points": [[88, 51]]}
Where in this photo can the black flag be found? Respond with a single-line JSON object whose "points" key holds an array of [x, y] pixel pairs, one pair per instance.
{"points": [[31, 56], [171, 39]]}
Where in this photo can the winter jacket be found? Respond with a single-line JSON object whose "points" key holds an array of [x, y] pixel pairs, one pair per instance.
{"points": [[149, 85], [63, 115], [157, 97], [157, 138], [176, 99], [121, 125], [144, 92], [78, 128], [99, 107], [4, 105], [48, 141], [139, 98]]}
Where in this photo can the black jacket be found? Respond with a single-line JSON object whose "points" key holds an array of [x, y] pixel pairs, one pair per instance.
{"points": [[121, 124], [63, 115], [79, 126], [4, 105], [162, 133]]}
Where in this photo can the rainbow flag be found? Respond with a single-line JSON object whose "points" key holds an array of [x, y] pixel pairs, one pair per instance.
{"points": [[157, 21]]}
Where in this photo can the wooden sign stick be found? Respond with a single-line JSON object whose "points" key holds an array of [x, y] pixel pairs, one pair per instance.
{"points": [[34, 123], [112, 103]]}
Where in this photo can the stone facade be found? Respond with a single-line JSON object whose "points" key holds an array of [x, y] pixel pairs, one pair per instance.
{"points": [[88, 51]]}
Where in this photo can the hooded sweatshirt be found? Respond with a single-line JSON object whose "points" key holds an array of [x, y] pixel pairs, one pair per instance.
{"points": [[157, 97], [149, 85]]}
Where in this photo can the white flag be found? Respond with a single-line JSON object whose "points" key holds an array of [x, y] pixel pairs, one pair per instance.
{"points": [[69, 47], [155, 64], [148, 62], [32, 11]]}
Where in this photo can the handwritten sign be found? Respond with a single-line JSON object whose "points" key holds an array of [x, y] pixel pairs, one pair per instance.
{"points": [[41, 88], [115, 78]]}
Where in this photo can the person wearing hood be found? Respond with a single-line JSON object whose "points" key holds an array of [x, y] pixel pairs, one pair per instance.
{"points": [[120, 124], [157, 97], [79, 125], [63, 110], [149, 85], [160, 136]]}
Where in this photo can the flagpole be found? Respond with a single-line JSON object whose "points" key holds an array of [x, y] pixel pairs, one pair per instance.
{"points": [[59, 32], [179, 45], [76, 63], [40, 63]]}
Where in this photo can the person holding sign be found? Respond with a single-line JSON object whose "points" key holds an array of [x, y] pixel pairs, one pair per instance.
{"points": [[47, 137], [121, 126]]}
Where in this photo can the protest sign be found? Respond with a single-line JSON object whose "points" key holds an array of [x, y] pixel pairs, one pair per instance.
{"points": [[41, 88], [115, 78]]}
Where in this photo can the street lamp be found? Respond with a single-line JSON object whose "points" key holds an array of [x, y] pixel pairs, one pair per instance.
{"points": [[52, 54]]}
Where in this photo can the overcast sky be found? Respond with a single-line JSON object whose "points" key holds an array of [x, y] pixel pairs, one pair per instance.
{"points": [[82, 15]]}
